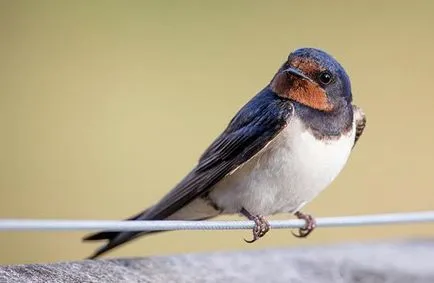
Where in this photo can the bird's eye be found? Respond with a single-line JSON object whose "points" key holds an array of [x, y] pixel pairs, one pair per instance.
{"points": [[325, 77]]}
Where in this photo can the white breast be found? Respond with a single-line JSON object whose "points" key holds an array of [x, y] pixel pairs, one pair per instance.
{"points": [[287, 174]]}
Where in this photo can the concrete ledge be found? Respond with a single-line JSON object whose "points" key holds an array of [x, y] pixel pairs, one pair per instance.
{"points": [[398, 262]]}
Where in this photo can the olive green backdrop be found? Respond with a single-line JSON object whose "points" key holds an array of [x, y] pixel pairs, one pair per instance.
{"points": [[105, 105]]}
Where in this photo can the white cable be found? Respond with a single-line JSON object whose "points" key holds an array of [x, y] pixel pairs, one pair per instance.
{"points": [[50, 225]]}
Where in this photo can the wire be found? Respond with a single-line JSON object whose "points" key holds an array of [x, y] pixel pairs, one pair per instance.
{"points": [[70, 225]]}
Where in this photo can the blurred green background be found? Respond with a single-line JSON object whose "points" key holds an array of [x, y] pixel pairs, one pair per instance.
{"points": [[105, 105]]}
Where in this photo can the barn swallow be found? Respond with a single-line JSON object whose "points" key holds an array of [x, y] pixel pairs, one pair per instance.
{"points": [[285, 146]]}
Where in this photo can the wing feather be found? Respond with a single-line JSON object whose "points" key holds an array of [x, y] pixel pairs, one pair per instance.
{"points": [[254, 126], [360, 118]]}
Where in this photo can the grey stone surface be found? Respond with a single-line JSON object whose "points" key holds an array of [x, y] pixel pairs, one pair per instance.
{"points": [[392, 262]]}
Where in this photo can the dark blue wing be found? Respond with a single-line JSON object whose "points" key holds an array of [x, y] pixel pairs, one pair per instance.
{"points": [[255, 125], [252, 128]]}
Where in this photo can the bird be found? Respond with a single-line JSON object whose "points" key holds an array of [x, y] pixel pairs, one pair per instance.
{"points": [[279, 151]]}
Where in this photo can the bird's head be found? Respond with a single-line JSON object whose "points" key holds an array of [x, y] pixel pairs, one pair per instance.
{"points": [[313, 78]]}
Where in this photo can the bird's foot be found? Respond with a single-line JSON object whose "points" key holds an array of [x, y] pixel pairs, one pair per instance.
{"points": [[261, 225], [260, 229], [308, 228]]}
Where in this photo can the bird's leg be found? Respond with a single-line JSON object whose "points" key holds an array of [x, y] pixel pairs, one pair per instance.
{"points": [[308, 228], [261, 225]]}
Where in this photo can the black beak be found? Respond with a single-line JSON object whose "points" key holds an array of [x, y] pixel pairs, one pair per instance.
{"points": [[298, 74]]}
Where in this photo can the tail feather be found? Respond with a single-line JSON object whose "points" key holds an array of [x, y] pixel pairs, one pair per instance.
{"points": [[109, 235], [105, 235], [115, 238]]}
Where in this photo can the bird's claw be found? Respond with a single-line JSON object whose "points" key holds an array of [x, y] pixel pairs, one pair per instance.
{"points": [[260, 229], [308, 228]]}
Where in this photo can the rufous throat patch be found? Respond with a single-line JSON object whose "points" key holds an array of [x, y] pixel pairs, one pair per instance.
{"points": [[301, 90]]}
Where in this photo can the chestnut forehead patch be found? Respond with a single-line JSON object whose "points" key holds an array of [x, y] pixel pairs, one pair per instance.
{"points": [[306, 65]]}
